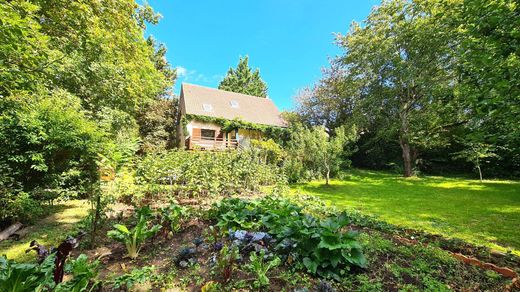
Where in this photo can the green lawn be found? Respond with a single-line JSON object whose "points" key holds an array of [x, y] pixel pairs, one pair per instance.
{"points": [[50, 231], [485, 213]]}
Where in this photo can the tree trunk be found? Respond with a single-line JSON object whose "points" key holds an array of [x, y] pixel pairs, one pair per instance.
{"points": [[10, 230], [407, 159], [479, 170], [405, 142], [327, 176], [95, 220]]}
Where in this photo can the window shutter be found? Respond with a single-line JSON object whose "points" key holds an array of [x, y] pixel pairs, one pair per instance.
{"points": [[195, 132]]}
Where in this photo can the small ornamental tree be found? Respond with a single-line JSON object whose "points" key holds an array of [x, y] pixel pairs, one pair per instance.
{"points": [[476, 153], [327, 150], [313, 151]]}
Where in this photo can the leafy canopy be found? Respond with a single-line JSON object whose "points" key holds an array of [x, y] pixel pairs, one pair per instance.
{"points": [[244, 80]]}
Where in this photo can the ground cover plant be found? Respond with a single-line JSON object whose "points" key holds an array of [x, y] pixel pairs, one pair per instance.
{"points": [[319, 246], [453, 207]]}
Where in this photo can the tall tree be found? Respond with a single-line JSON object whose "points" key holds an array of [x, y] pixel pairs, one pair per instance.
{"points": [[398, 63], [244, 80], [488, 58]]}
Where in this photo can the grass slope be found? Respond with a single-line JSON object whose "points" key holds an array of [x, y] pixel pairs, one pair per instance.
{"points": [[50, 231], [485, 213]]}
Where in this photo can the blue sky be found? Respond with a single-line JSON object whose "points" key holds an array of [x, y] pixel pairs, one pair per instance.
{"points": [[289, 40]]}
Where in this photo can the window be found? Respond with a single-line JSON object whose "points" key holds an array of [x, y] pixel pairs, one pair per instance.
{"points": [[234, 104], [207, 133], [207, 107]]}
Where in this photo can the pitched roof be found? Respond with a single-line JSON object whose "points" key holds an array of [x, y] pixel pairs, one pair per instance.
{"points": [[205, 101]]}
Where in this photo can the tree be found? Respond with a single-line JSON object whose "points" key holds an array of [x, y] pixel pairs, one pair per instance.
{"points": [[476, 153], [397, 61], [313, 151], [157, 125], [21, 66], [329, 149], [74, 77], [488, 59], [244, 80], [49, 143]]}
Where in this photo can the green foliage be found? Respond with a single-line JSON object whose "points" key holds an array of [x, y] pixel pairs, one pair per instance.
{"points": [[315, 153], [50, 143], [16, 277], [244, 80], [489, 63], [18, 207], [74, 76], [476, 154], [136, 236], [136, 276], [259, 267], [20, 34], [84, 275], [172, 216], [226, 262], [227, 125], [211, 287], [321, 246], [157, 127], [204, 172], [268, 150], [418, 77]]}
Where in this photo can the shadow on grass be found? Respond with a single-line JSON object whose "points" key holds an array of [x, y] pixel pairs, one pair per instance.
{"points": [[484, 213], [49, 231]]}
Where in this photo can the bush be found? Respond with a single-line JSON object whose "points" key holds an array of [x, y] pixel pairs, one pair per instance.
{"points": [[207, 173], [48, 142], [19, 207], [321, 246]]}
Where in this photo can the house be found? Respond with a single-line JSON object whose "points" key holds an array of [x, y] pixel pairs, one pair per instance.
{"points": [[214, 119]]}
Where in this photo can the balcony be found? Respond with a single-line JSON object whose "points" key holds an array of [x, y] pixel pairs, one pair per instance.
{"points": [[210, 143]]}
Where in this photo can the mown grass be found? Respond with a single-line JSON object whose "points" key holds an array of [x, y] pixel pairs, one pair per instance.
{"points": [[485, 213], [49, 231]]}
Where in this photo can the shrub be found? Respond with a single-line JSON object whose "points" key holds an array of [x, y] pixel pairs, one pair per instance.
{"points": [[322, 246], [18, 207], [48, 142], [315, 152]]}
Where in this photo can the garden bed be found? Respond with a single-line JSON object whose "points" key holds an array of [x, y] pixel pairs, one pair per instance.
{"points": [[187, 260], [392, 264]]}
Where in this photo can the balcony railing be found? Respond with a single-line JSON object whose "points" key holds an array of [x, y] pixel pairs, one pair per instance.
{"points": [[211, 143]]}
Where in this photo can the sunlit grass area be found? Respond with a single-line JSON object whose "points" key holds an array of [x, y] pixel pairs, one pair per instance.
{"points": [[49, 231], [485, 213]]}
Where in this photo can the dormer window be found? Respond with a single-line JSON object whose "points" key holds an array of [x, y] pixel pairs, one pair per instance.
{"points": [[234, 104], [207, 107]]}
